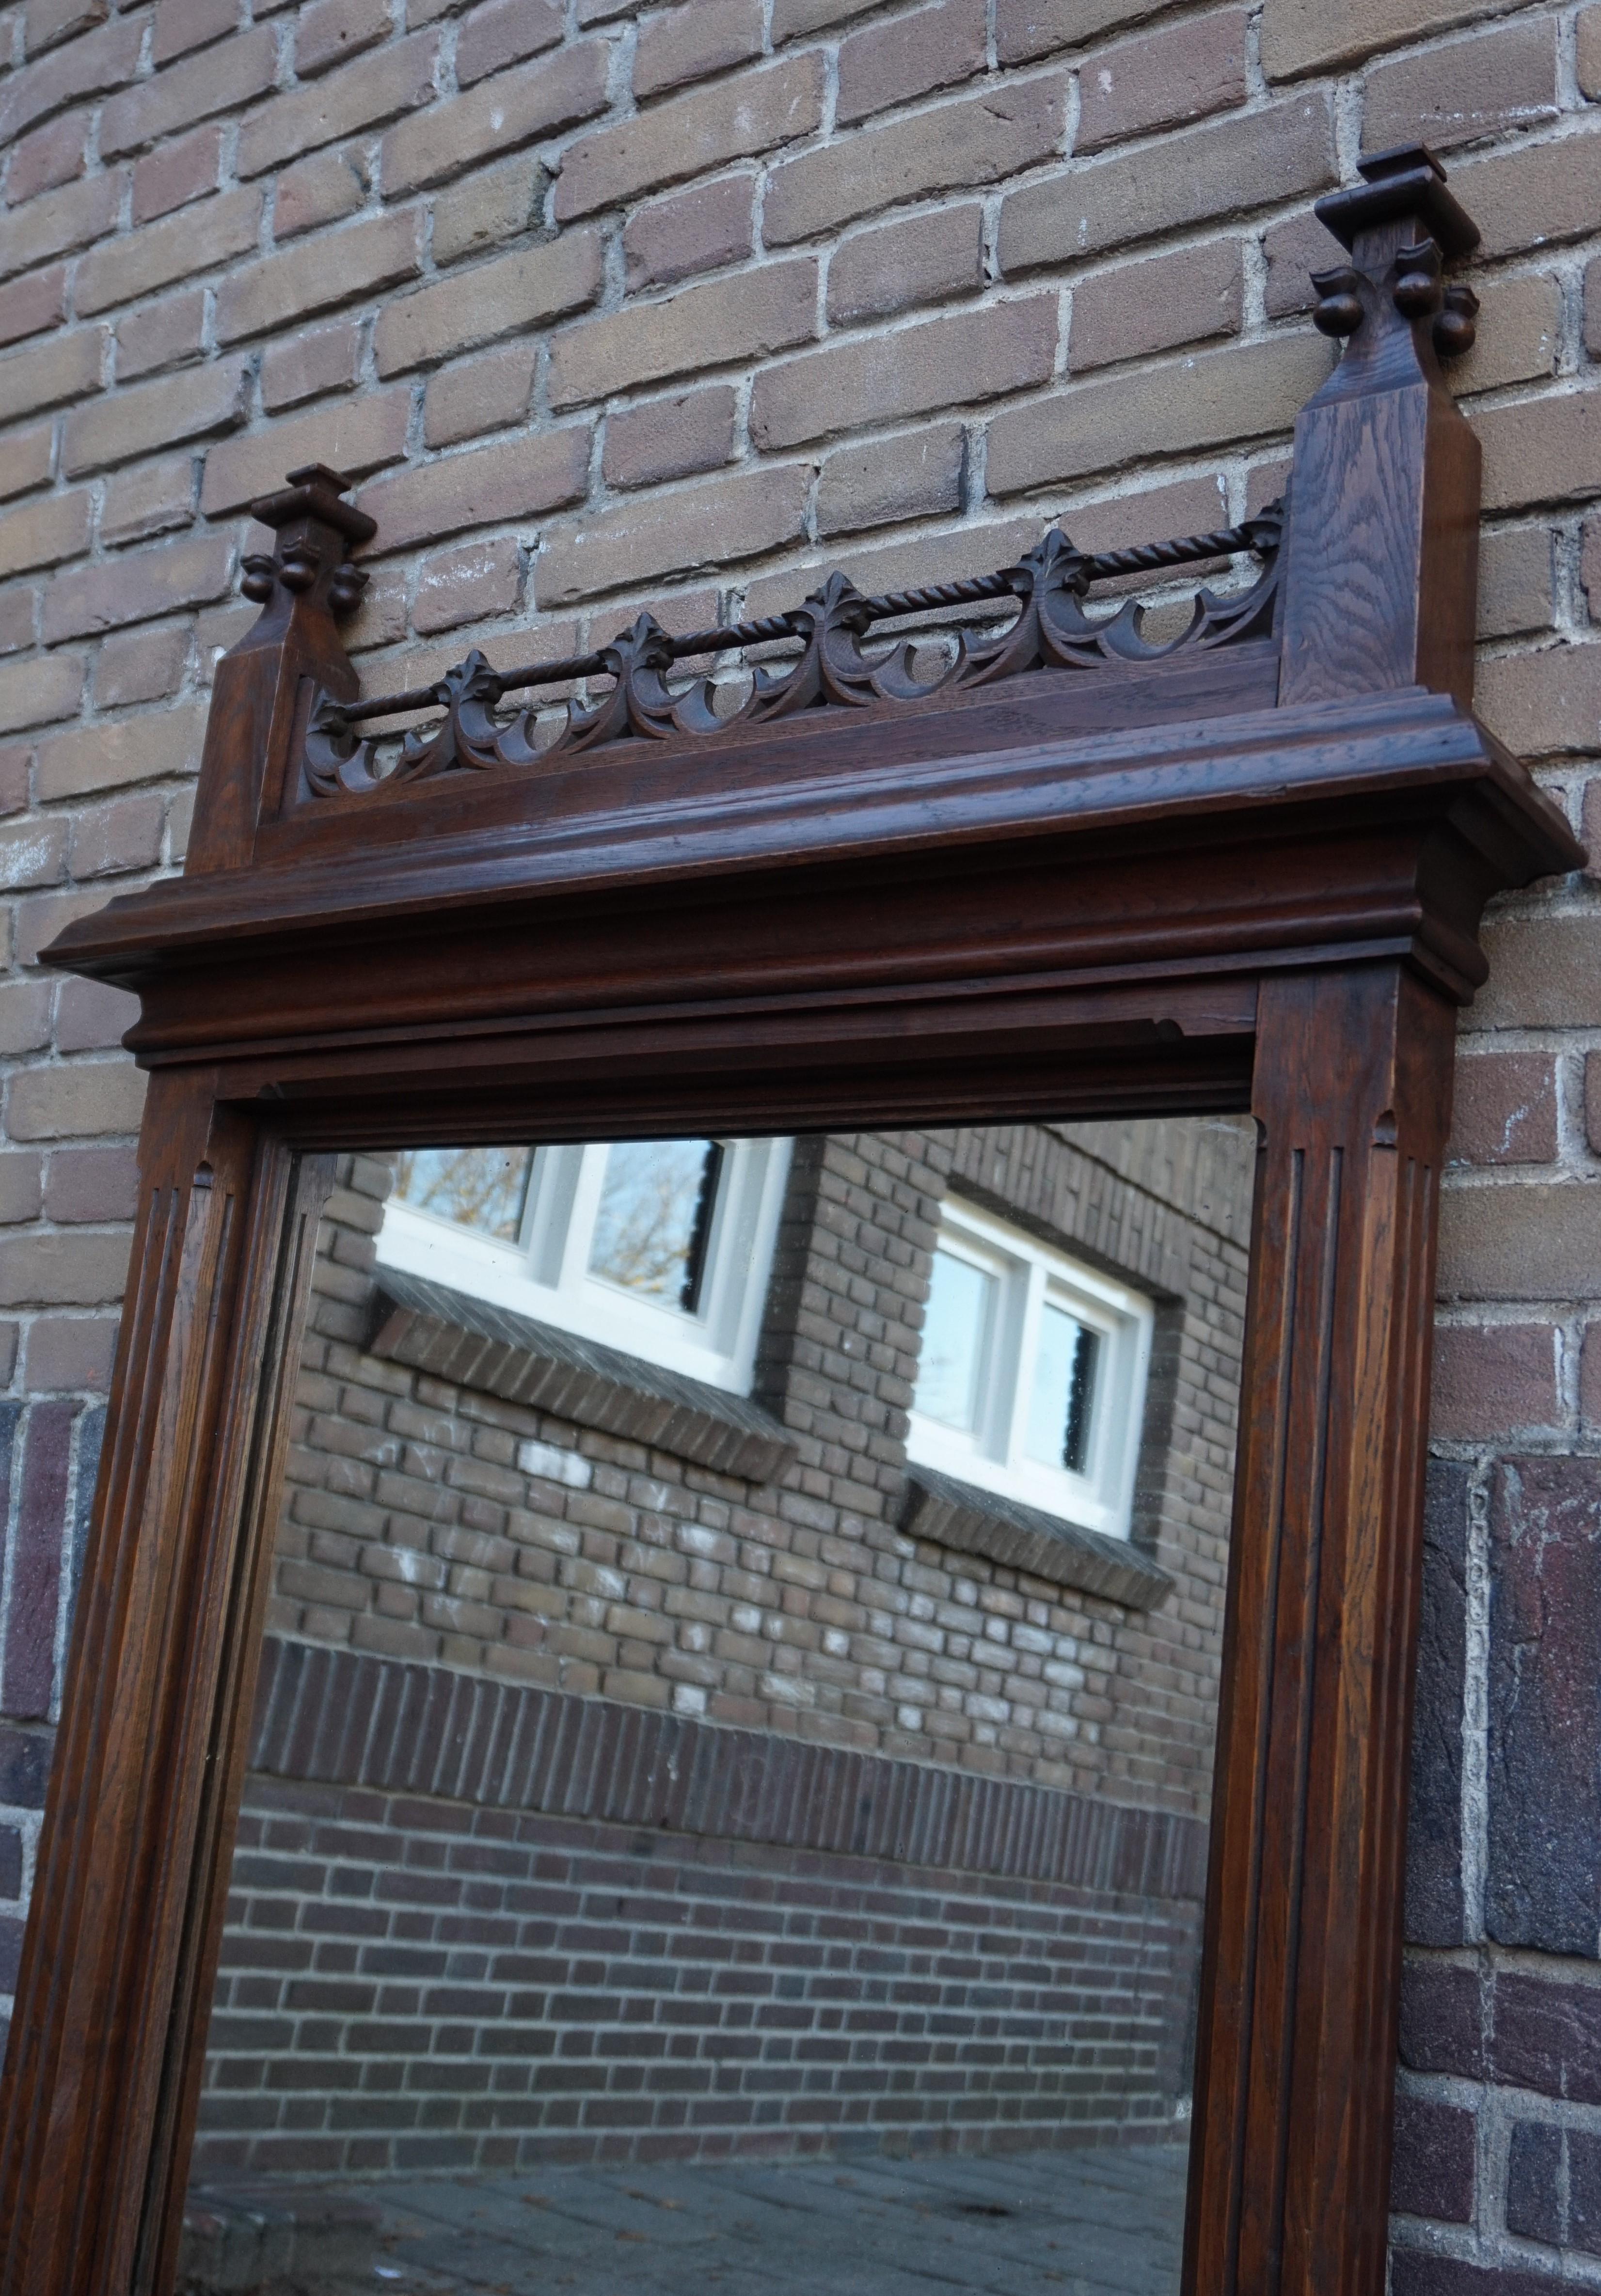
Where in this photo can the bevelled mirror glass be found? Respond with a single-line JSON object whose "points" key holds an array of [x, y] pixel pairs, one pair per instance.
{"points": [[728, 1797]]}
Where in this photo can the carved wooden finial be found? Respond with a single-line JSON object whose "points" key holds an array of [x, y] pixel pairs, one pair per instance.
{"points": [[1405, 186], [317, 528], [1386, 474], [304, 587], [1406, 181]]}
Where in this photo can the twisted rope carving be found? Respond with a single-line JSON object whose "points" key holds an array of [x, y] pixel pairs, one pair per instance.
{"points": [[1259, 535], [1049, 631]]}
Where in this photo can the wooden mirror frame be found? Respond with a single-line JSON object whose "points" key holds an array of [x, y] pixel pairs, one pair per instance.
{"points": [[1245, 873]]}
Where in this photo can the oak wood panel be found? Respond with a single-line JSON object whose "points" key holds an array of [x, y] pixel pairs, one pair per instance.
{"points": [[636, 826], [1382, 550], [1352, 1099], [207, 1351]]}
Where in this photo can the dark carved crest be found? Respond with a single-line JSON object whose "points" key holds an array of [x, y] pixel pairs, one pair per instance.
{"points": [[1051, 631]]}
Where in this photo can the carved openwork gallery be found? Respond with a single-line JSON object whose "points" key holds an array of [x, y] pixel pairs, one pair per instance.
{"points": [[1058, 868], [1050, 632]]}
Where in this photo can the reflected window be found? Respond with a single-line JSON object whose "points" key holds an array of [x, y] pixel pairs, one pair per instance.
{"points": [[1063, 1389], [956, 1340], [657, 1248], [655, 1212], [1032, 1373], [483, 1188]]}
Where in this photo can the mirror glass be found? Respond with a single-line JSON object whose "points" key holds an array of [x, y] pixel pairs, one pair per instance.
{"points": [[727, 1794]]}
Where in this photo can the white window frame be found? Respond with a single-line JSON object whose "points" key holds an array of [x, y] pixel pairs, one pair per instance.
{"points": [[544, 1273], [991, 1455]]}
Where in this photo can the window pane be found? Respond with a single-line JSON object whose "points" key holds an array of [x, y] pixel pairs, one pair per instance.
{"points": [[956, 1332], [481, 1187], [1064, 1397], [655, 1208]]}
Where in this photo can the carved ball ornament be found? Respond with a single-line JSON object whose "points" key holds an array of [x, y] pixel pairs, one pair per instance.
{"points": [[1418, 294], [1339, 307], [1455, 329]]}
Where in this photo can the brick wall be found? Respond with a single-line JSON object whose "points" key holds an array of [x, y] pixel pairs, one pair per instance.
{"points": [[477, 1925], [608, 307], [458, 1993], [473, 1589], [430, 1520]]}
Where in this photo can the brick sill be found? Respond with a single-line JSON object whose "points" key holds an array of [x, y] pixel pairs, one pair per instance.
{"points": [[475, 1344], [949, 1514]]}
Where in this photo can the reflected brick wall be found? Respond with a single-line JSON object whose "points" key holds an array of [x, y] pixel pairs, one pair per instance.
{"points": [[838, 1744], [475, 1925], [574, 1546]]}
